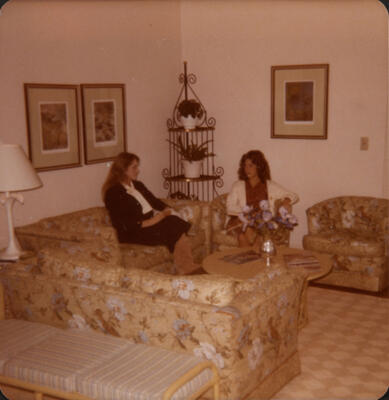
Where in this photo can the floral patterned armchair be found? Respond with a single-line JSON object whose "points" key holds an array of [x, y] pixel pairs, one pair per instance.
{"points": [[355, 231], [220, 239]]}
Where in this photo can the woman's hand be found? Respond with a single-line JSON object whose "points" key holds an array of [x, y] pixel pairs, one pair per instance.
{"points": [[162, 215], [156, 218], [166, 212]]}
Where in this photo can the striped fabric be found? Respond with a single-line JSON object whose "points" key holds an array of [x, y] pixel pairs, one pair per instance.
{"points": [[16, 336], [56, 360], [140, 373]]}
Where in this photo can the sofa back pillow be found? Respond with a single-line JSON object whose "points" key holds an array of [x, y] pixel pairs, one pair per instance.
{"points": [[88, 263], [208, 289]]}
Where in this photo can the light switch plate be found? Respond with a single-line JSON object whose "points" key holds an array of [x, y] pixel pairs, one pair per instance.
{"points": [[364, 143]]}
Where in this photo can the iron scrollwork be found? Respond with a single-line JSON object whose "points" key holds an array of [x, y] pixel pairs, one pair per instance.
{"points": [[177, 185]]}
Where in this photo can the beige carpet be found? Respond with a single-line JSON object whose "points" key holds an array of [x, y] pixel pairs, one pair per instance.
{"points": [[344, 349]]}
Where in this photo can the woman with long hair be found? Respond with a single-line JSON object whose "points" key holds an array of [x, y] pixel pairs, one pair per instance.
{"points": [[254, 185], [132, 206]]}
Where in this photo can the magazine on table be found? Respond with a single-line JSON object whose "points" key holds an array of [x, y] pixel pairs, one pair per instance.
{"points": [[242, 258], [296, 260]]}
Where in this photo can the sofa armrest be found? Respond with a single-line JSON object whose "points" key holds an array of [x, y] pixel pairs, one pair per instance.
{"points": [[197, 213], [219, 212]]}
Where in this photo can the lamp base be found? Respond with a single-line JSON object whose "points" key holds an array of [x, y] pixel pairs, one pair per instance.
{"points": [[13, 252], [7, 256], [10, 255]]}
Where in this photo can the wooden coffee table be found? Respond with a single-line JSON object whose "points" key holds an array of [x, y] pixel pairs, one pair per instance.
{"points": [[237, 264]]}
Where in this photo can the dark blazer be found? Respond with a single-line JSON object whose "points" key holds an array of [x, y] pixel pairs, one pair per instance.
{"points": [[125, 210]]}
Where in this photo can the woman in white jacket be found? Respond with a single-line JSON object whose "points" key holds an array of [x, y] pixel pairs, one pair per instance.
{"points": [[254, 185]]}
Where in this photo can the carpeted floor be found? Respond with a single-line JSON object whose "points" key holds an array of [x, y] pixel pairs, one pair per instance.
{"points": [[344, 349]]}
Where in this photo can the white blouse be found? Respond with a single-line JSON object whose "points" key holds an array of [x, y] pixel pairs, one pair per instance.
{"points": [[236, 199], [130, 189]]}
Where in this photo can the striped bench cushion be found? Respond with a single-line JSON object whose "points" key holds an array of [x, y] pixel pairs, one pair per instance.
{"points": [[56, 360], [140, 373], [16, 336]]}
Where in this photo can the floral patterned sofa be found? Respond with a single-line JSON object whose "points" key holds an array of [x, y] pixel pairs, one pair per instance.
{"points": [[220, 239], [247, 327], [94, 224], [355, 231]]}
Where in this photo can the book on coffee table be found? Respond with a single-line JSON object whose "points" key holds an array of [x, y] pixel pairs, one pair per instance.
{"points": [[307, 261], [242, 258]]}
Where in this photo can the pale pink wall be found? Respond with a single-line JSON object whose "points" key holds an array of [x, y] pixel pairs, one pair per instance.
{"points": [[62, 41], [231, 46]]}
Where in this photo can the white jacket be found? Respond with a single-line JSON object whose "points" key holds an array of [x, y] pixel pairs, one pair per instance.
{"points": [[236, 199]]}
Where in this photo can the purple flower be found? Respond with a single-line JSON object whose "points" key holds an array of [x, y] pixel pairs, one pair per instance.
{"points": [[283, 212], [272, 225], [267, 216], [264, 205]]}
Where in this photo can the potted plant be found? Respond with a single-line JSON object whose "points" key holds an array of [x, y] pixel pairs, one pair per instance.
{"points": [[192, 156], [190, 111]]}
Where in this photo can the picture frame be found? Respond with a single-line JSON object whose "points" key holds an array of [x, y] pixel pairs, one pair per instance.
{"points": [[52, 125], [299, 101], [104, 121]]}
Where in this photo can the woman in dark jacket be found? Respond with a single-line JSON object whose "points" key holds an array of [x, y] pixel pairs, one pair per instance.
{"points": [[131, 208]]}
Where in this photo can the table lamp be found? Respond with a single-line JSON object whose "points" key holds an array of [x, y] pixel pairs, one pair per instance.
{"points": [[16, 174]]}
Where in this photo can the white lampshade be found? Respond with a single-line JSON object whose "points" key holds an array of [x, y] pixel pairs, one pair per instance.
{"points": [[16, 171]]}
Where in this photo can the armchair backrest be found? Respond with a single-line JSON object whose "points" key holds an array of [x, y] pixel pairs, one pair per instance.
{"points": [[354, 213]]}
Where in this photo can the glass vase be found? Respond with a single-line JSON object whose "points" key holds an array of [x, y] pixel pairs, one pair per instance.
{"points": [[268, 247]]}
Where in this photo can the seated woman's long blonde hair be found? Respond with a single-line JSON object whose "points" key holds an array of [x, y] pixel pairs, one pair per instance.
{"points": [[118, 170]]}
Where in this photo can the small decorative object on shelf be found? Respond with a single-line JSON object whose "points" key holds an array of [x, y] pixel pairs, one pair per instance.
{"points": [[191, 173], [190, 113], [192, 155]]}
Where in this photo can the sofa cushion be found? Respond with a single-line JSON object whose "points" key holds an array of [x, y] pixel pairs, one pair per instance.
{"points": [[346, 243], [90, 263], [208, 289], [16, 336], [56, 360], [87, 221], [147, 257], [142, 256], [140, 372]]}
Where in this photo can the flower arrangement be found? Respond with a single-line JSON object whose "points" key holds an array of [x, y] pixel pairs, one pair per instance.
{"points": [[192, 152], [190, 107], [264, 221]]}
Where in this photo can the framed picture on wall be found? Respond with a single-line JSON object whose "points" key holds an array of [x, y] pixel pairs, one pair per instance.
{"points": [[52, 126], [299, 101], [104, 121]]}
